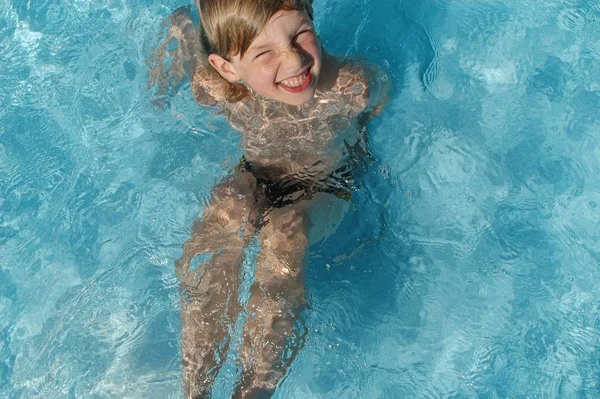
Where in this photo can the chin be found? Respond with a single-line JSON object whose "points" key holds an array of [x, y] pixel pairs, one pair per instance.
{"points": [[299, 99], [298, 102]]}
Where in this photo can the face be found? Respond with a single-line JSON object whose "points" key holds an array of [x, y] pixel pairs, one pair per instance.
{"points": [[282, 63]]}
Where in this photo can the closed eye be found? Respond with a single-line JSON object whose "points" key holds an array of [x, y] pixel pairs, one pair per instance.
{"points": [[301, 33], [261, 54]]}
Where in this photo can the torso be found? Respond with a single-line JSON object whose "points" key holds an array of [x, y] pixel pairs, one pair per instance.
{"points": [[314, 136]]}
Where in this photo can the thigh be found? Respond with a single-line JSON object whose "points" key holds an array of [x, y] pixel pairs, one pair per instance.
{"points": [[324, 215], [284, 242], [227, 223]]}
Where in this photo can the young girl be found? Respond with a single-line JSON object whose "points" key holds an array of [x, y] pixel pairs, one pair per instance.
{"points": [[301, 113]]}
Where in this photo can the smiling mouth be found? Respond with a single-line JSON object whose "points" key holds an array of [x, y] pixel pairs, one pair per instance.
{"points": [[296, 84]]}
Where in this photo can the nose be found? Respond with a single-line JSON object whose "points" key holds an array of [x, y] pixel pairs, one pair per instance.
{"points": [[295, 58]]}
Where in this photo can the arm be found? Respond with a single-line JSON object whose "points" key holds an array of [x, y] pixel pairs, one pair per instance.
{"points": [[187, 56], [384, 85]]}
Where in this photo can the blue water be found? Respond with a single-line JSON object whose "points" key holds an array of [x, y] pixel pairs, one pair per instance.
{"points": [[467, 267]]}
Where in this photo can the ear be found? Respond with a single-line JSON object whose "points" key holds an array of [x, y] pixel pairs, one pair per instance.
{"points": [[224, 67]]}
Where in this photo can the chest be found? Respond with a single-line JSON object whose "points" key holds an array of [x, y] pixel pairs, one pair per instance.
{"points": [[272, 130]]}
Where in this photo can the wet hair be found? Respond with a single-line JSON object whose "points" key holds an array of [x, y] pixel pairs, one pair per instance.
{"points": [[228, 27]]}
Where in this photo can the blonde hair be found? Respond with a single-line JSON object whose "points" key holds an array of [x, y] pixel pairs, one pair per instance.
{"points": [[228, 27]]}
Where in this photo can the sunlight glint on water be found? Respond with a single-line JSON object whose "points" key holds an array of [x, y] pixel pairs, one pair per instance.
{"points": [[467, 265]]}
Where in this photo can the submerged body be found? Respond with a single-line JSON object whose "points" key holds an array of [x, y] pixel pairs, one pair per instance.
{"points": [[314, 146], [292, 152]]}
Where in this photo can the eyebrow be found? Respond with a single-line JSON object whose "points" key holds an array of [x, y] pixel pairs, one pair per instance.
{"points": [[258, 48], [267, 45]]}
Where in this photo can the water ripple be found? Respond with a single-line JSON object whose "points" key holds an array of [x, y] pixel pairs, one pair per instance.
{"points": [[469, 272]]}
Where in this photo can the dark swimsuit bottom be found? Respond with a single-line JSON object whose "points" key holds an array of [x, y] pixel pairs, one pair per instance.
{"points": [[281, 189]]}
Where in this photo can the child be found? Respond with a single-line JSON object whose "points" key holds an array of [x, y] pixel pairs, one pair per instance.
{"points": [[301, 113]]}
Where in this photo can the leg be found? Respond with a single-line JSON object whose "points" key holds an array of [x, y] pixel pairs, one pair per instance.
{"points": [[209, 292], [277, 298]]}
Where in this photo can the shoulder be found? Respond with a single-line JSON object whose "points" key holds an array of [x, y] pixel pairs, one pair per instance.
{"points": [[363, 85], [353, 83], [353, 76], [208, 87]]}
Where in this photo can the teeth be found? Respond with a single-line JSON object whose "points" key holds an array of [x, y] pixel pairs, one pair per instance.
{"points": [[296, 81]]}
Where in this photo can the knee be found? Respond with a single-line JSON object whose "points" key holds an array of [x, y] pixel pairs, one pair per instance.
{"points": [[196, 285], [277, 296]]}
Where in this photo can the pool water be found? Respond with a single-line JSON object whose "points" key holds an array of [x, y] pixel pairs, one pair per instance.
{"points": [[468, 265]]}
